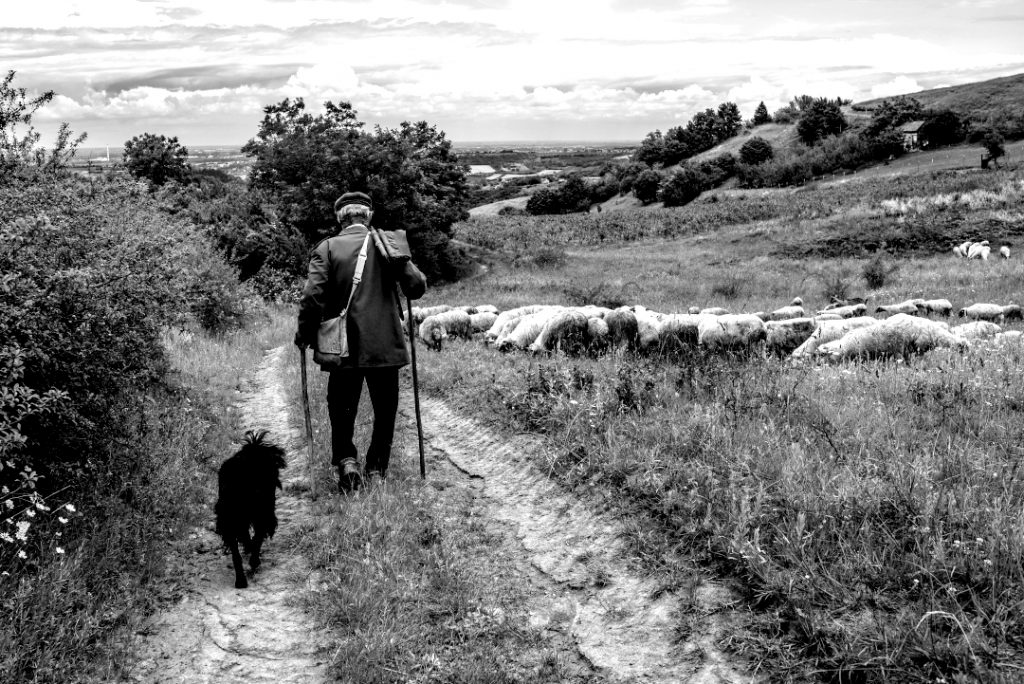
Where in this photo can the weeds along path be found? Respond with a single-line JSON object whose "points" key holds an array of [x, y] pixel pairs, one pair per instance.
{"points": [[621, 621], [217, 633]]}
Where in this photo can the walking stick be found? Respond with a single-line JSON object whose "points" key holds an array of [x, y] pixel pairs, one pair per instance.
{"points": [[309, 422], [412, 352], [416, 390]]}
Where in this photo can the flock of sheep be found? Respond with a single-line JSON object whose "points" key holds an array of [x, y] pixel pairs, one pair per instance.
{"points": [[842, 330], [979, 250]]}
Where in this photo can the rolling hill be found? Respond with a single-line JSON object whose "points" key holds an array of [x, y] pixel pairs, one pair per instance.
{"points": [[975, 100]]}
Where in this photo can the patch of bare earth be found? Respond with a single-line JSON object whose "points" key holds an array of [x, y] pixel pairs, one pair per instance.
{"points": [[216, 633], [588, 594]]}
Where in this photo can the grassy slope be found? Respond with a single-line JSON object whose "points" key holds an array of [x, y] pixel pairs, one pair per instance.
{"points": [[975, 99], [866, 510]]}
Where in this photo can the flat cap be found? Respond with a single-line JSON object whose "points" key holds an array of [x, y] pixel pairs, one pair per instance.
{"points": [[353, 198]]}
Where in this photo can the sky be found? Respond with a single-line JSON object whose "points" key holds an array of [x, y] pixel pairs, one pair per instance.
{"points": [[484, 70]]}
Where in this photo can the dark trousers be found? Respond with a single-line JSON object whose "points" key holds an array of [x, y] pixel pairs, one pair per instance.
{"points": [[343, 390]]}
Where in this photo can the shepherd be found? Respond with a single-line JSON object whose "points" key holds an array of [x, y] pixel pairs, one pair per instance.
{"points": [[357, 274]]}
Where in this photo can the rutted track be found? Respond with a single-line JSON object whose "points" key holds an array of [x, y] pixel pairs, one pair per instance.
{"points": [[217, 633], [621, 622]]}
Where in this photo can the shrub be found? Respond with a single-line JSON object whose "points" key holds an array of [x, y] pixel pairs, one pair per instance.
{"points": [[646, 186], [877, 271], [684, 186], [157, 159], [756, 150]]}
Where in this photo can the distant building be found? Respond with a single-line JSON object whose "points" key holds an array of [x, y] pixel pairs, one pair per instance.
{"points": [[516, 167], [480, 170], [910, 132]]}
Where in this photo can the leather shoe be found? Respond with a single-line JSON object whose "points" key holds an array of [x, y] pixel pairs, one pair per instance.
{"points": [[349, 479]]}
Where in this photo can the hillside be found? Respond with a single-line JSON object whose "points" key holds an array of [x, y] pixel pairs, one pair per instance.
{"points": [[976, 100]]}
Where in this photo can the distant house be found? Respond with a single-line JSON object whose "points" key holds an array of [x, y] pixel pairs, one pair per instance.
{"points": [[516, 167], [480, 170], [910, 132]]}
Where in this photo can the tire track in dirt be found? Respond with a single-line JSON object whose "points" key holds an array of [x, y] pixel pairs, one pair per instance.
{"points": [[621, 621], [217, 633]]}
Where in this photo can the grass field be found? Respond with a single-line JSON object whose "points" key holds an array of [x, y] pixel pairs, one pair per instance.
{"points": [[869, 513]]}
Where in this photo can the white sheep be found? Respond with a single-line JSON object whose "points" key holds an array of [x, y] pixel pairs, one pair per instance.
{"points": [[677, 331], [964, 248], [827, 316], [481, 321], [847, 310], [942, 307], [830, 331], [623, 328], [486, 308], [794, 310], [900, 335], [421, 313], [714, 311], [904, 307], [977, 330], [439, 327], [506, 320], [979, 250], [566, 327], [527, 329], [990, 312], [647, 323], [782, 337], [598, 334], [958, 251], [1004, 251], [1009, 337], [730, 332]]}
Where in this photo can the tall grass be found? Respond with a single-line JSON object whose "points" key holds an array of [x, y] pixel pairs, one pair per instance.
{"points": [[72, 617], [868, 512]]}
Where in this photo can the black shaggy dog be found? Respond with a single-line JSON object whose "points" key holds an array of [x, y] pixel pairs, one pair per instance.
{"points": [[246, 484]]}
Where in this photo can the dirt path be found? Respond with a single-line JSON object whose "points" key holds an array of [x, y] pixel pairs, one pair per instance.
{"points": [[621, 621], [217, 633]]}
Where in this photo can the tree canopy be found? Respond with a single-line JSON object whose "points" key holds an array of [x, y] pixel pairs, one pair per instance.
{"points": [[157, 158], [305, 161]]}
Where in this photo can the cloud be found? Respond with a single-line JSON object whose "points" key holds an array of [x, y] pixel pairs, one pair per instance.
{"points": [[901, 85]]}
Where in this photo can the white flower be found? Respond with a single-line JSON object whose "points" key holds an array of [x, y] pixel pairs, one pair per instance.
{"points": [[22, 555], [59, 550], [70, 507], [22, 533], [63, 520], [6, 537]]}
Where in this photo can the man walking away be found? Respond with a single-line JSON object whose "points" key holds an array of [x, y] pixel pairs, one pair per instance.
{"points": [[377, 344]]}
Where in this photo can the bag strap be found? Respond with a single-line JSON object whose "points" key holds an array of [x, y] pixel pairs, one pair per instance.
{"points": [[357, 277]]}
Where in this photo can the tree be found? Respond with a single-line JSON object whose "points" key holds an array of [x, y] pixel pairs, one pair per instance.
{"points": [[646, 186], [157, 159], [820, 119], [942, 128], [304, 162], [21, 151], [729, 121], [652, 149], [761, 115], [893, 113], [993, 142], [756, 151], [684, 186]]}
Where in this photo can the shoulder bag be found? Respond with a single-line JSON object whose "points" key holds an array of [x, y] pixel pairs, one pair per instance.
{"points": [[332, 338]]}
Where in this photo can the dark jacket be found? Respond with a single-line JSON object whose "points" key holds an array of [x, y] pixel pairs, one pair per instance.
{"points": [[374, 324]]}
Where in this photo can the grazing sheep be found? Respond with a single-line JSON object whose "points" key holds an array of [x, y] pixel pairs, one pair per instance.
{"points": [[507, 320], [1004, 251], [714, 311], [693, 310], [828, 316], [965, 248], [990, 312], [622, 327], [977, 330], [677, 331], [482, 321], [1009, 337], [848, 310], [598, 335], [794, 310], [830, 331], [730, 332], [959, 252], [420, 314], [527, 329], [898, 336], [782, 337], [979, 250], [486, 308], [837, 302], [647, 323], [439, 327], [941, 307], [905, 307], [567, 327]]}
